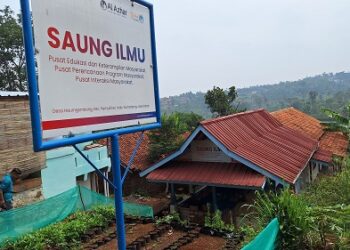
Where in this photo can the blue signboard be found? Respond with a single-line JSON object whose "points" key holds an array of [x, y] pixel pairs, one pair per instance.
{"points": [[92, 71], [92, 74]]}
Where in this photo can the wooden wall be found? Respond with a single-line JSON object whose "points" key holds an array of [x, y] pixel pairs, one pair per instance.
{"points": [[16, 147]]}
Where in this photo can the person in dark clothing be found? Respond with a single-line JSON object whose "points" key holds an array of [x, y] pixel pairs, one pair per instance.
{"points": [[6, 186]]}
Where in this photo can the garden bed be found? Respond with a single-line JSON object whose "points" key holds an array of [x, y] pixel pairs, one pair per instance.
{"points": [[96, 229], [205, 242]]}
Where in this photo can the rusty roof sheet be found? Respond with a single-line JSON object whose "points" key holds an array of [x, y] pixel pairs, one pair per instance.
{"points": [[297, 120], [336, 142], [127, 144], [323, 155], [261, 139], [208, 173]]}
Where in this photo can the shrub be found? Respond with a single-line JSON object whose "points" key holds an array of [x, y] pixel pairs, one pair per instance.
{"points": [[319, 215], [170, 218], [215, 222], [166, 139], [249, 232], [330, 190], [292, 213]]}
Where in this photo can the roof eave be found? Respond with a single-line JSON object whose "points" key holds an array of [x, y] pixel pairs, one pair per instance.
{"points": [[307, 162], [173, 155], [209, 184]]}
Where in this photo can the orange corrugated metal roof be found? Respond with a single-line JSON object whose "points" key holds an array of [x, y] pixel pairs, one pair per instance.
{"points": [[336, 142], [304, 123], [128, 143], [261, 139], [293, 118], [323, 155], [208, 173]]}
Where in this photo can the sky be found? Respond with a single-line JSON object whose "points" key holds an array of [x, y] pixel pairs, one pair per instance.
{"points": [[246, 42]]}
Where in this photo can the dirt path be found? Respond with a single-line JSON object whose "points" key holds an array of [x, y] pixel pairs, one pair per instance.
{"points": [[131, 234], [205, 242], [164, 241]]}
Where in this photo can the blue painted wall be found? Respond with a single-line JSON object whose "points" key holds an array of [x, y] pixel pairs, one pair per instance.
{"points": [[63, 165]]}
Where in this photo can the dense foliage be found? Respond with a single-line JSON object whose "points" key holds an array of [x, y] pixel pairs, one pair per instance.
{"points": [[310, 95], [292, 213], [190, 120], [330, 190], [166, 139], [12, 60], [65, 234], [317, 219], [340, 122]]}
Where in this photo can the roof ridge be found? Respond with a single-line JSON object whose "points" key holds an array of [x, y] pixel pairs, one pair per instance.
{"points": [[208, 121], [280, 110]]}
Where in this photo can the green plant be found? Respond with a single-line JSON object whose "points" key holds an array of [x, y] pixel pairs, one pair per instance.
{"points": [[321, 214], [215, 222], [12, 69], [333, 222], [341, 123], [65, 234], [166, 139], [208, 218], [344, 241], [249, 233], [293, 215], [173, 217], [322, 192]]}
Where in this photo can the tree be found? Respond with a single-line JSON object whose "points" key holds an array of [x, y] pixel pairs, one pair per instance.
{"points": [[12, 58], [166, 139], [220, 102], [341, 123], [312, 96], [190, 120]]}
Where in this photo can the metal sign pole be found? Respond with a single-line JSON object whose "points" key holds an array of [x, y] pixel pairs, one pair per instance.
{"points": [[118, 193]]}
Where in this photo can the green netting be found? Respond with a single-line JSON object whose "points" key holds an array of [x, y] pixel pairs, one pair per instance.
{"points": [[17, 222], [266, 239], [90, 198]]}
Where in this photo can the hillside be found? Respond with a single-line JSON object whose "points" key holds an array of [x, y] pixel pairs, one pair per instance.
{"points": [[309, 95]]}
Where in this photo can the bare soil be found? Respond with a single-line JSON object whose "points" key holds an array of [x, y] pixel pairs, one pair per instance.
{"points": [[165, 240], [157, 203], [132, 233], [204, 242]]}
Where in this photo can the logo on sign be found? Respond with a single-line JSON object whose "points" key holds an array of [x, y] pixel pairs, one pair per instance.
{"points": [[113, 8], [103, 4], [137, 17]]}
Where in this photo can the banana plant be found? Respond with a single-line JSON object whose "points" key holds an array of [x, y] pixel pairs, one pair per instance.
{"points": [[341, 123]]}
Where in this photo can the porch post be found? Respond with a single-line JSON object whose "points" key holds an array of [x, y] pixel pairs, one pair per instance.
{"points": [[215, 206], [173, 196], [190, 189]]}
